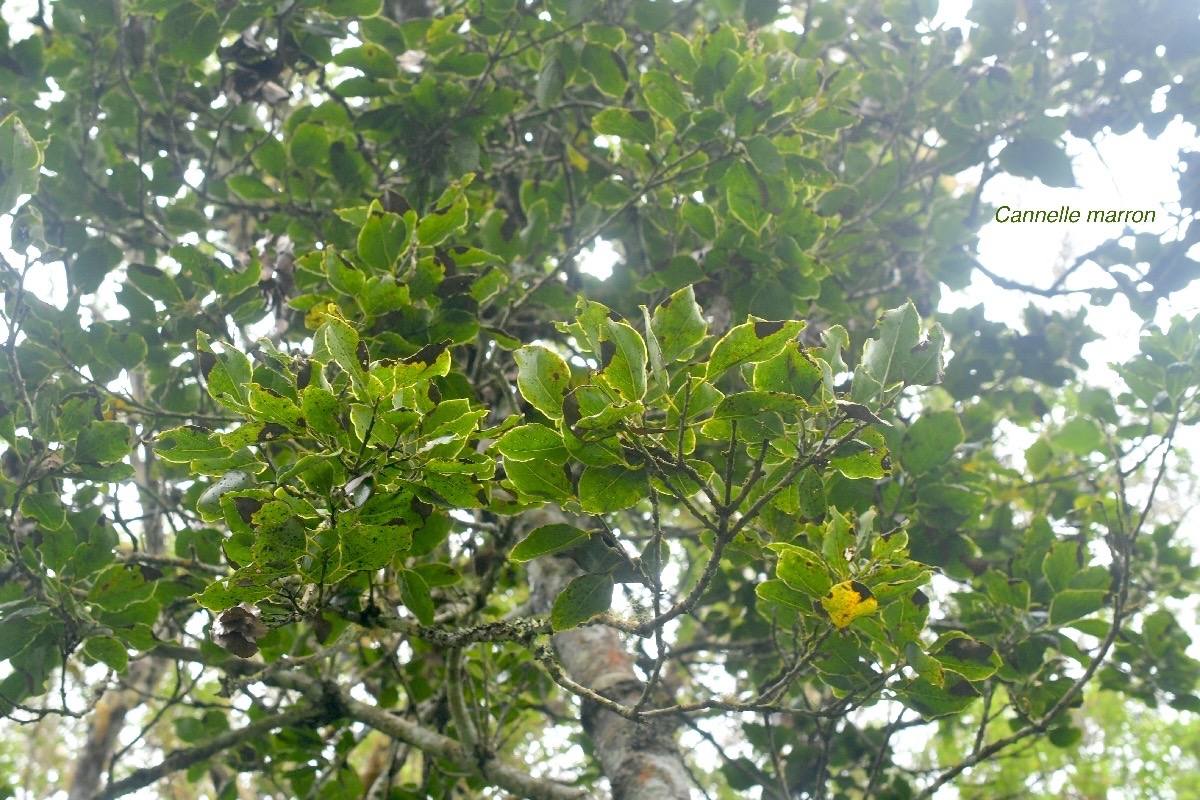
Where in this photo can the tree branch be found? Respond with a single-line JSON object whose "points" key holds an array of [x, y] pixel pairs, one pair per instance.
{"points": [[182, 759]]}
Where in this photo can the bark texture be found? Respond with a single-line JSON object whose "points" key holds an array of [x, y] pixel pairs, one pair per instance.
{"points": [[640, 759]]}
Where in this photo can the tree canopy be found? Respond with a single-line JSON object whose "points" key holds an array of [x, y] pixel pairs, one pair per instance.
{"points": [[332, 467]]}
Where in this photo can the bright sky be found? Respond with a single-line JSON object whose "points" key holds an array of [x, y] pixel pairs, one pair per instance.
{"points": [[1121, 172]]}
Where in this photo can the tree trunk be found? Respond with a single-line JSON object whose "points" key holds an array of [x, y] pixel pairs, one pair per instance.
{"points": [[105, 724], [107, 719], [640, 759]]}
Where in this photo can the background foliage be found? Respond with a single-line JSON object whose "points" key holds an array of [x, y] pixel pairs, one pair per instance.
{"points": [[327, 471]]}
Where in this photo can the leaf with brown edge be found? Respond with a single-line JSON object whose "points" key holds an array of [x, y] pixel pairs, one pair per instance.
{"points": [[744, 345]]}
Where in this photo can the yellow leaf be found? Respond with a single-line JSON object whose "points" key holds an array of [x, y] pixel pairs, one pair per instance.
{"points": [[577, 159], [319, 314], [847, 601]]}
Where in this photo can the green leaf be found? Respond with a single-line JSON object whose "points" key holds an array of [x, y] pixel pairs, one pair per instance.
{"points": [[438, 574], [201, 544], [321, 410], [803, 570], [221, 595], [270, 406], [270, 158], [371, 547], [280, 539], [45, 507], [664, 97], [750, 343], [20, 163], [119, 586], [428, 536], [20, 626], [836, 340], [828, 121], [679, 325], [414, 593], [542, 377], [546, 540], [103, 442], [1080, 436], [636, 126], [623, 359], [779, 592], [1061, 564], [838, 200], [676, 52], [1071, 604], [1013, 592], [529, 442], [341, 342], [792, 371], [349, 167], [899, 355], [30, 55], [756, 404], [583, 598], [308, 146], [190, 32], [1066, 736], [764, 156], [609, 415], [443, 222], [701, 219], [457, 491], [127, 350], [550, 81], [810, 491], [227, 374], [611, 36], [489, 284], [348, 279], [209, 503], [154, 282], [931, 700], [930, 441], [608, 74], [470, 65], [899, 330], [538, 479], [1038, 456], [249, 187], [605, 489], [453, 417], [237, 511], [352, 8], [371, 59], [1031, 157], [94, 261], [383, 240], [747, 197], [1093, 577], [658, 367], [900, 582], [972, 659], [108, 651]]}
